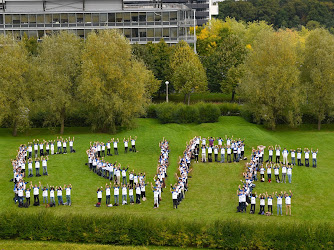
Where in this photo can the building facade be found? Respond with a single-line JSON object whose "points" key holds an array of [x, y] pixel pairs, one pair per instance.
{"points": [[139, 23]]}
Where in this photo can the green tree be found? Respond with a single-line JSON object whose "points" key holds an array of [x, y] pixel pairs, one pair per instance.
{"points": [[187, 72], [318, 73], [271, 84], [115, 86], [14, 97], [59, 64]]}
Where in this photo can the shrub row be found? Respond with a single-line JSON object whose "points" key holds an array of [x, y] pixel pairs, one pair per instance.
{"points": [[134, 230], [195, 97], [197, 113]]}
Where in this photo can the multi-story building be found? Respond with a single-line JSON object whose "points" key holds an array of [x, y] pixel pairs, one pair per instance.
{"points": [[205, 9], [139, 23]]}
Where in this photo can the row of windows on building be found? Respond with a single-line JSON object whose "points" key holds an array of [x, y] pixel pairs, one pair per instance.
{"points": [[89, 19], [133, 34]]}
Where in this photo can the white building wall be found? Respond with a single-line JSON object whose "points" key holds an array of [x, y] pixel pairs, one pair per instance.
{"points": [[24, 6]]}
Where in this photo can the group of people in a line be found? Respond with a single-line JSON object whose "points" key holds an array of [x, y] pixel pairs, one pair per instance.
{"points": [[159, 179], [23, 192], [232, 150]]}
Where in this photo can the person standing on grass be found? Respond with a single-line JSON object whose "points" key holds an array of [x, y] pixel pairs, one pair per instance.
{"points": [[215, 151], [229, 152], [115, 143], [174, 196], [283, 173], [124, 175], [133, 144], [299, 156], [132, 201], [37, 166], [124, 195], [285, 154], [203, 153], [288, 202], [71, 142], [60, 195], [270, 203], [307, 157], [35, 147], [108, 148], [126, 145], [278, 153], [44, 165], [41, 148], [68, 194], [99, 195], [262, 203], [271, 152], [293, 156], [29, 149], [289, 171], [279, 198], [276, 172], [262, 173], [138, 193], [45, 194], [196, 153], [47, 148], [253, 202], [59, 151], [30, 172], [52, 147], [36, 193], [107, 193], [28, 191], [314, 157], [210, 154], [116, 195], [155, 196], [268, 165], [52, 195], [103, 149]]}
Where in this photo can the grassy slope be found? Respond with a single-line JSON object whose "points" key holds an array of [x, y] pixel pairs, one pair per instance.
{"points": [[212, 186]]}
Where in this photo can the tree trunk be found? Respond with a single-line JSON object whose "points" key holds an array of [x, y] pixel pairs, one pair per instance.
{"points": [[188, 99], [185, 98], [319, 123], [15, 128], [233, 93], [62, 121]]}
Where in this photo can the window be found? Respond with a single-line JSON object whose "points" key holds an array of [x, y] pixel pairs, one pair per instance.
{"points": [[150, 32], [111, 17], [64, 18], [166, 32], [158, 32], [173, 32], [127, 33], [88, 18], [157, 16], [55, 18], [142, 17], [150, 17], [8, 19], [126, 17], [165, 16], [103, 18], [71, 18], [173, 16], [119, 17], [134, 33], [40, 19], [81, 33], [80, 18], [1, 19], [96, 19], [134, 17], [142, 32]]}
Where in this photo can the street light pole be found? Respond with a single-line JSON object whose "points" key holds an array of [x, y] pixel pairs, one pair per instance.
{"points": [[167, 82]]}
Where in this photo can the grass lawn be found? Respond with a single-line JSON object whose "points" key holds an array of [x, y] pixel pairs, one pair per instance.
{"points": [[212, 188]]}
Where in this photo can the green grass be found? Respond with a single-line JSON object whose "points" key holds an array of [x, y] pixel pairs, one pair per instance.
{"points": [[212, 188]]}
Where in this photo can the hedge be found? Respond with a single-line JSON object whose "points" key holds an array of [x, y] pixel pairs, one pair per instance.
{"points": [[135, 230], [198, 113]]}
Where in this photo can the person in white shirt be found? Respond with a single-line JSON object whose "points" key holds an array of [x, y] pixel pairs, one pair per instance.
{"points": [[103, 149], [115, 143], [65, 146], [229, 152], [215, 151], [30, 172], [283, 173], [293, 156], [262, 203], [262, 173], [60, 195], [138, 193], [47, 147], [107, 193], [52, 195], [29, 150], [278, 153], [288, 202], [116, 195], [276, 171], [99, 195], [285, 156], [314, 157], [35, 147], [124, 195], [132, 201], [270, 203], [133, 144], [124, 181], [289, 172], [203, 154], [41, 148], [44, 164], [271, 152], [279, 198], [269, 171], [28, 191], [37, 166], [45, 195], [59, 149], [52, 146], [126, 145], [253, 202], [108, 148], [155, 196], [307, 157], [36, 193], [71, 142], [299, 156], [68, 194], [210, 154], [174, 196], [222, 154]]}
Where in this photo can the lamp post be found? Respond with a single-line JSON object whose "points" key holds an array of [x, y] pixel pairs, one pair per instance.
{"points": [[167, 82]]}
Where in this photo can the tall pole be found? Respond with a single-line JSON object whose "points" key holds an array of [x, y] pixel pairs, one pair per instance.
{"points": [[195, 32], [167, 82]]}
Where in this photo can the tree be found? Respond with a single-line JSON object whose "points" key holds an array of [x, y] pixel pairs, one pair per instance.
{"points": [[187, 72], [59, 61], [318, 73], [271, 84], [14, 99], [115, 86]]}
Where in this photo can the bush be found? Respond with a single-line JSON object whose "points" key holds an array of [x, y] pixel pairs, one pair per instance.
{"points": [[228, 108], [208, 112], [135, 230], [186, 114], [165, 112], [151, 111]]}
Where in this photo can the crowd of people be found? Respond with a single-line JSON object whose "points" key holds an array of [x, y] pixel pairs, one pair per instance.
{"points": [[32, 155], [160, 178], [257, 164], [231, 150]]}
